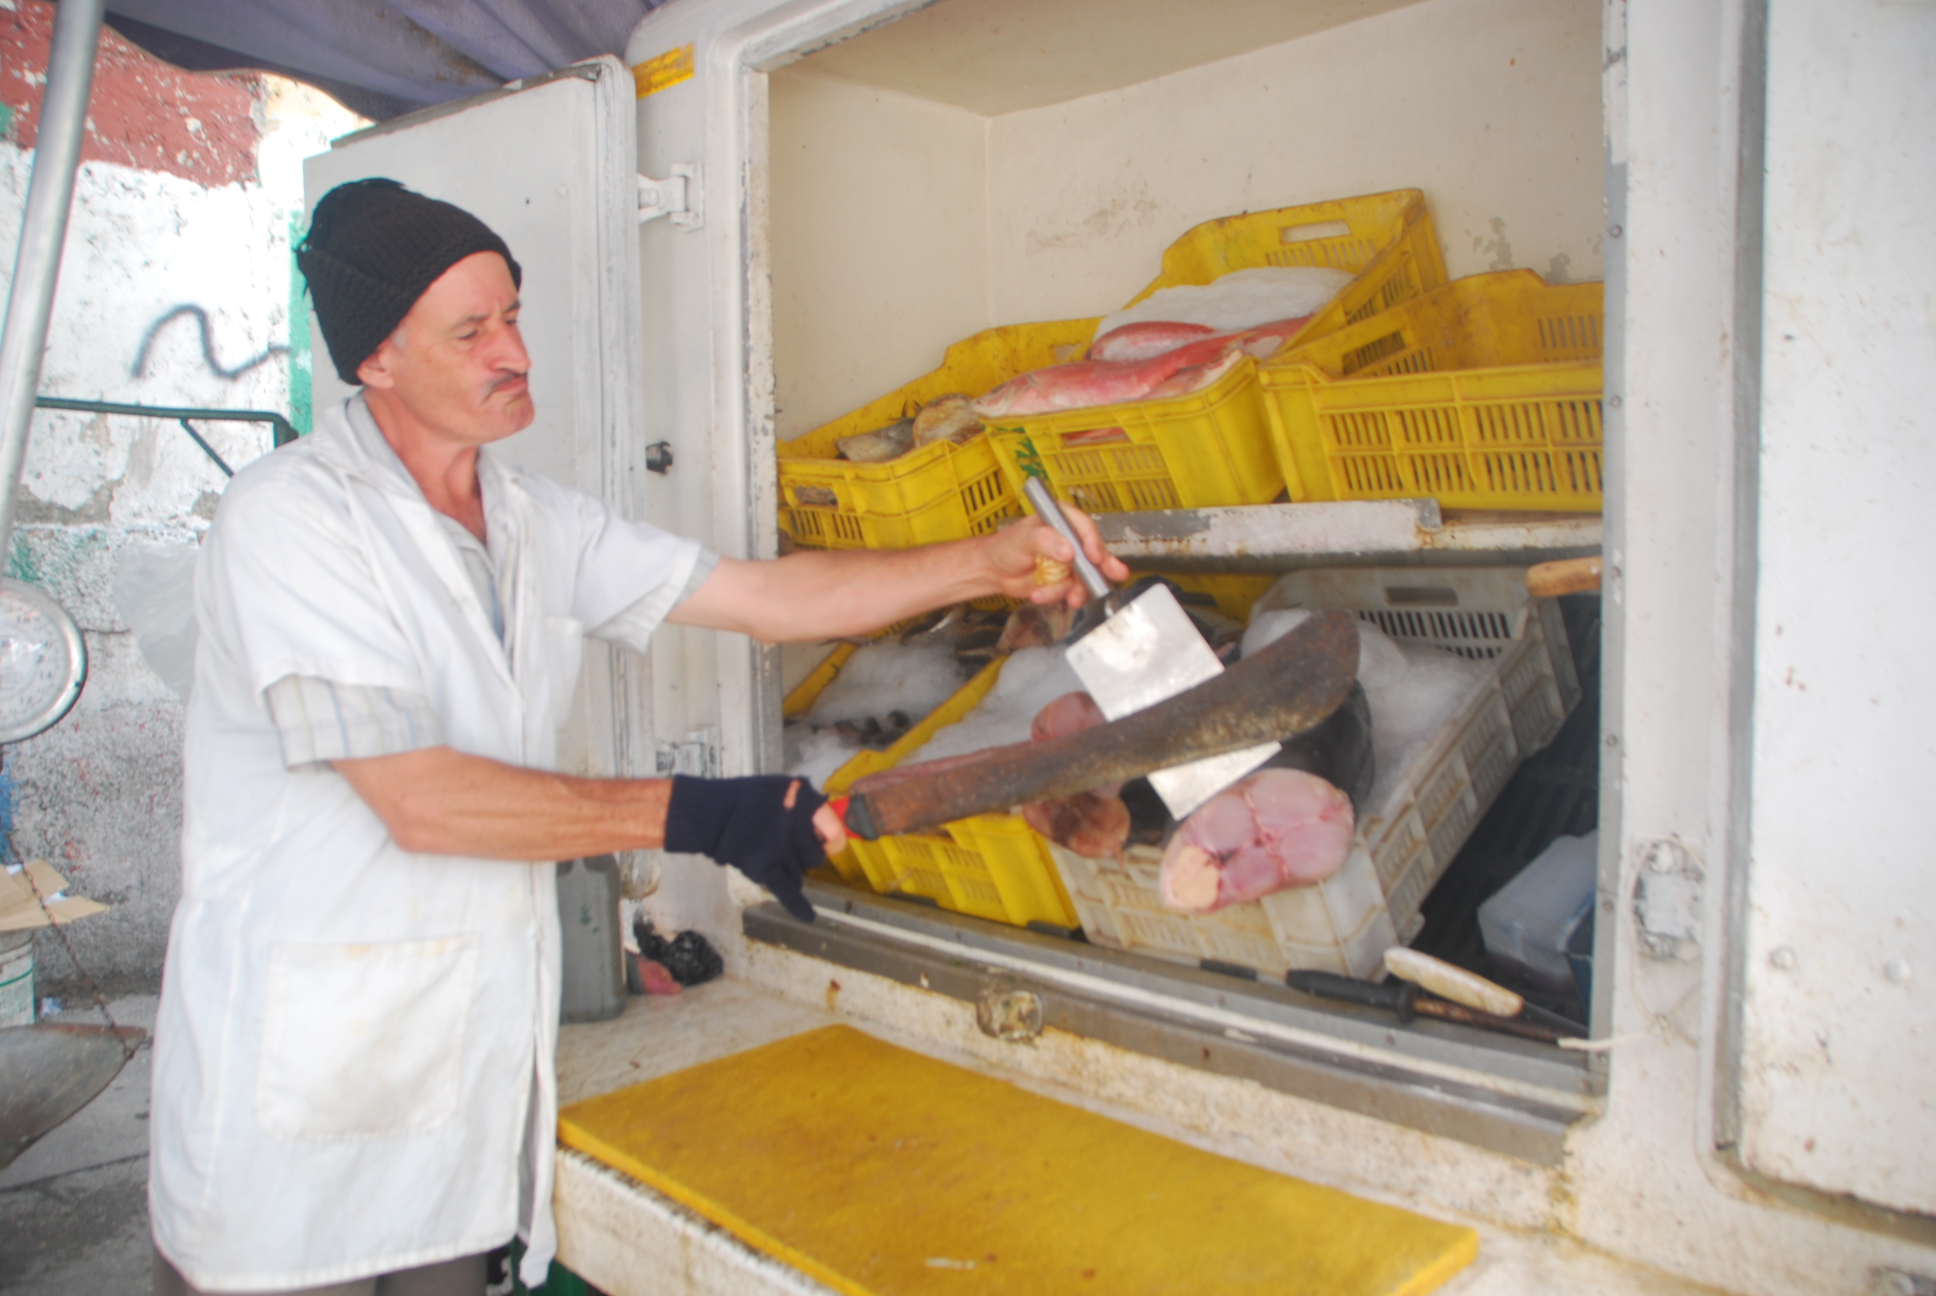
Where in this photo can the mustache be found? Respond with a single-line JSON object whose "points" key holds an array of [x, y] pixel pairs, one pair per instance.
{"points": [[506, 381]]}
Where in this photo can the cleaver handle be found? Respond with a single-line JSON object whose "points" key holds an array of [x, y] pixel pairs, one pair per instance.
{"points": [[1291, 686], [1049, 511]]}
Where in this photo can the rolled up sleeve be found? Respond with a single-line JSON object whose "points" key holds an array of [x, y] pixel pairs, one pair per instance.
{"points": [[318, 721]]}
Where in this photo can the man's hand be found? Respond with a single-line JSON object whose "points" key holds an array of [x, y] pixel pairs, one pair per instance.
{"points": [[813, 595], [443, 802], [1013, 552], [769, 827]]}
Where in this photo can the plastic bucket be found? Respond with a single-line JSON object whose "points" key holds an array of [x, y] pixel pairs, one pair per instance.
{"points": [[16, 978]]}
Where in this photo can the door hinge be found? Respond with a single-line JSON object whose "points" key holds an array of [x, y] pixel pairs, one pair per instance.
{"points": [[697, 756], [679, 196]]}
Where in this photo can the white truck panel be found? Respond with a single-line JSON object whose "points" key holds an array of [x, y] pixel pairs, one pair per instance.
{"points": [[1839, 1038]]}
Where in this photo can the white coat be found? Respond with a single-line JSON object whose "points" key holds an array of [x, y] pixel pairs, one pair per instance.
{"points": [[355, 1042]]}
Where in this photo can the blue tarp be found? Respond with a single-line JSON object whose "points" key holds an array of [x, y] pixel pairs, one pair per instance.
{"points": [[382, 57]]}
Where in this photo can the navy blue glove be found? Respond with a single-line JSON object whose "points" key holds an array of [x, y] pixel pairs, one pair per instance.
{"points": [[744, 822]]}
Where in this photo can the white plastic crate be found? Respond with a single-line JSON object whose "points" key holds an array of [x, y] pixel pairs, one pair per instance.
{"points": [[1346, 923]]}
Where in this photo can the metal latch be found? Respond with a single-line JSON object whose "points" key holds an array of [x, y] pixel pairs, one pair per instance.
{"points": [[679, 196], [697, 756]]}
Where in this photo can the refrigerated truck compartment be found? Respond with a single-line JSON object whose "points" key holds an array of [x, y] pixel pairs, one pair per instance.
{"points": [[865, 180]]}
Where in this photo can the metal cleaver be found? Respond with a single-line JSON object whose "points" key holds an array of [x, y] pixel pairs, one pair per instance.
{"points": [[1142, 653]]}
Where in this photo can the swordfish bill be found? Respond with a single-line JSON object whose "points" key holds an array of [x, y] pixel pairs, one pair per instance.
{"points": [[1293, 685]]}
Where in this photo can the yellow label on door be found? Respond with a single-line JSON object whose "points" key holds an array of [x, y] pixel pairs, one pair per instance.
{"points": [[661, 71]]}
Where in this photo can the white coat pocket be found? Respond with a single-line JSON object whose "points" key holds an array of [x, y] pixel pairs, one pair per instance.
{"points": [[364, 1041]]}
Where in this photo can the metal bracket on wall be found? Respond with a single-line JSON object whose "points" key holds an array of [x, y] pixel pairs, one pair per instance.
{"points": [[679, 195], [285, 431]]}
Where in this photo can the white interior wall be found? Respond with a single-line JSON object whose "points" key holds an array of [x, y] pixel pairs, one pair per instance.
{"points": [[1492, 107], [879, 258], [901, 224]]}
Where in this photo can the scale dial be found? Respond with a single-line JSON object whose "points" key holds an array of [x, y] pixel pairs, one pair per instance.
{"points": [[43, 661]]}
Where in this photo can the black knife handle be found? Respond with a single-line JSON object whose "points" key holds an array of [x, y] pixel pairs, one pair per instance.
{"points": [[1329, 985]]}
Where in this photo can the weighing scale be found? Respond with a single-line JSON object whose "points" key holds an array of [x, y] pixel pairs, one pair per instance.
{"points": [[43, 661]]}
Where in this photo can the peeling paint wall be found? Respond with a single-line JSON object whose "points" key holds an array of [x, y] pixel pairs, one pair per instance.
{"points": [[175, 289]]}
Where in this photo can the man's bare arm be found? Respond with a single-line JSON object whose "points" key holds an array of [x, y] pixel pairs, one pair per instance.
{"points": [[439, 801], [811, 595]]}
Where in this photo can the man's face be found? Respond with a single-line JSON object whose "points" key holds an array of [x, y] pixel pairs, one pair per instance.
{"points": [[457, 364]]}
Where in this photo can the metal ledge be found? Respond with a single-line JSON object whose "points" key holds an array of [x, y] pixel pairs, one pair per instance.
{"points": [[1506, 1095], [1286, 537]]}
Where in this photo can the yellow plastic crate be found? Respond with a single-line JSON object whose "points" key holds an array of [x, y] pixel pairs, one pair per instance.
{"points": [[1386, 239], [807, 691], [991, 866], [1214, 448], [1484, 393], [938, 492], [1203, 450]]}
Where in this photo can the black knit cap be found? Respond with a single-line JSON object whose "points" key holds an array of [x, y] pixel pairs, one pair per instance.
{"points": [[372, 249]]}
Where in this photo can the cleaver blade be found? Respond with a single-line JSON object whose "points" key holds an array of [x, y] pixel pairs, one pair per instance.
{"points": [[1149, 650]]}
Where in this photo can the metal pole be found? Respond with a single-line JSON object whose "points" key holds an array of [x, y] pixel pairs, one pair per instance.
{"points": [[43, 231]]}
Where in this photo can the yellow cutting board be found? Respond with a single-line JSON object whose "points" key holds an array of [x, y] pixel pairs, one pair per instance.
{"points": [[879, 1172]]}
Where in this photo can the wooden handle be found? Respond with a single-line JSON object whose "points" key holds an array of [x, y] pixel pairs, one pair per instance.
{"points": [[1293, 685], [1567, 576], [1449, 981]]}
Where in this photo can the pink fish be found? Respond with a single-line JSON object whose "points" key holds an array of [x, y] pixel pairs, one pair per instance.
{"points": [[1151, 338], [1091, 824], [1277, 828], [1264, 340], [1094, 824], [1087, 383], [1069, 714], [1196, 378], [1133, 342]]}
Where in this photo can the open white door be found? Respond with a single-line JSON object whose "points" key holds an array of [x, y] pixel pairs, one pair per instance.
{"points": [[1836, 1088], [549, 164]]}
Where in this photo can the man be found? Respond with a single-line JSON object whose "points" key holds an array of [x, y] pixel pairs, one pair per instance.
{"points": [[353, 1076]]}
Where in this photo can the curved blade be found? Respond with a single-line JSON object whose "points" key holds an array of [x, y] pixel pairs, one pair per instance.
{"points": [[48, 1072], [1293, 685]]}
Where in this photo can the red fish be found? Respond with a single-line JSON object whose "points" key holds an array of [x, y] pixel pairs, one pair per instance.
{"points": [[1085, 383], [1264, 340], [1151, 338], [1133, 342]]}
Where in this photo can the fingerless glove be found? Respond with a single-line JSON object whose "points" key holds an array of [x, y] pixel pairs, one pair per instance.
{"points": [[744, 822]]}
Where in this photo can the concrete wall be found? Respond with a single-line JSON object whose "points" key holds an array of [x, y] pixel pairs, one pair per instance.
{"points": [[175, 290]]}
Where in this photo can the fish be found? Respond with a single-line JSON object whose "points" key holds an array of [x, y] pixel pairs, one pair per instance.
{"points": [[1034, 626], [1142, 341], [1195, 378], [1086, 383], [1094, 824], [880, 445], [1151, 338], [1091, 824], [947, 418], [1290, 823], [1264, 341], [1275, 829]]}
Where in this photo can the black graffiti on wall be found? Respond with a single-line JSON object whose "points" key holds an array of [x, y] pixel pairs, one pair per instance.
{"points": [[140, 369]]}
